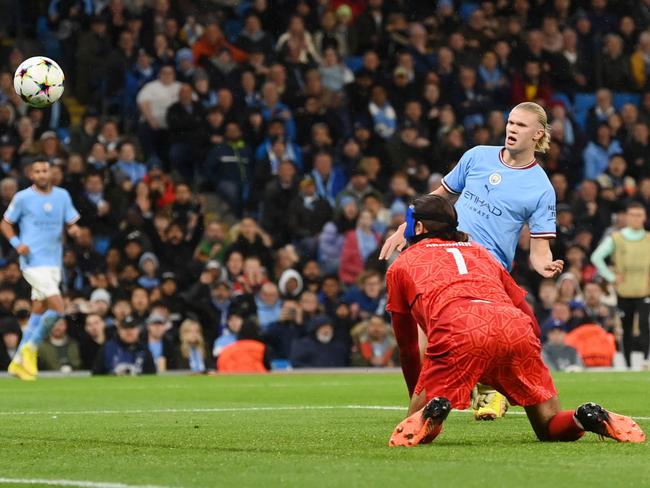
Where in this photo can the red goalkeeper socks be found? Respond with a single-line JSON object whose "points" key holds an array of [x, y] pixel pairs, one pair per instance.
{"points": [[563, 427]]}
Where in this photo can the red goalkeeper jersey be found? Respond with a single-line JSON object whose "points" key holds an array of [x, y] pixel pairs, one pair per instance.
{"points": [[433, 273]]}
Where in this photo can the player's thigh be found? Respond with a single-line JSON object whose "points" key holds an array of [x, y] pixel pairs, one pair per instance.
{"points": [[44, 280], [516, 368], [452, 375]]}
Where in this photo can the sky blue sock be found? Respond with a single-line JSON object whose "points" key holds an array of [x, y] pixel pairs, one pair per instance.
{"points": [[48, 319], [32, 323]]}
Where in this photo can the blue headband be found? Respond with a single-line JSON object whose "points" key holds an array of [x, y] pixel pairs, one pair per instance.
{"points": [[412, 217], [409, 232]]}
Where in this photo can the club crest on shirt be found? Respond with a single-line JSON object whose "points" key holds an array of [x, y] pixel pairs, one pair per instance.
{"points": [[494, 179], [47, 207]]}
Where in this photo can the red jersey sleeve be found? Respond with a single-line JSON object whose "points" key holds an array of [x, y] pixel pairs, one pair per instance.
{"points": [[400, 290]]}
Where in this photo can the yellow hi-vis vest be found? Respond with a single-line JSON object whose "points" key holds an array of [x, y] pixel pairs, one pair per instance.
{"points": [[632, 261]]}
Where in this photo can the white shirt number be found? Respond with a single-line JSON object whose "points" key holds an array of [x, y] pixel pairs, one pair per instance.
{"points": [[458, 257]]}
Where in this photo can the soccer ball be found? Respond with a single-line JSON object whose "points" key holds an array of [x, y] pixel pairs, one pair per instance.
{"points": [[39, 81]]}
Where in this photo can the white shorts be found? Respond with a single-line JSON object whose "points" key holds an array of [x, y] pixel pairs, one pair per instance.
{"points": [[45, 281]]}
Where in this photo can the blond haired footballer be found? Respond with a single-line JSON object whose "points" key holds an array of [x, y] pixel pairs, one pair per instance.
{"points": [[496, 191]]}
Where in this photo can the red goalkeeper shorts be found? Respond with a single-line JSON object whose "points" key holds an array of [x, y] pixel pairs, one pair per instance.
{"points": [[482, 342]]}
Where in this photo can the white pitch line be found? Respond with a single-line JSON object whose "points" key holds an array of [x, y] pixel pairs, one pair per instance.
{"points": [[232, 409], [82, 484]]}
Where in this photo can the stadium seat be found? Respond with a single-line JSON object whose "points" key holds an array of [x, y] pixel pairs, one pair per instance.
{"points": [[621, 99], [354, 63], [467, 9], [564, 98], [584, 101]]}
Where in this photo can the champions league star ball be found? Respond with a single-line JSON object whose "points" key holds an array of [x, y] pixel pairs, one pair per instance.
{"points": [[39, 81]]}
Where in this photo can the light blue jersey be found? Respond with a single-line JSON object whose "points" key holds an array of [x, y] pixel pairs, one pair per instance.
{"points": [[496, 200], [40, 218]]}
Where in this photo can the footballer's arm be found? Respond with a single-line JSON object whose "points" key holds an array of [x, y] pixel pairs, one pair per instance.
{"points": [[396, 241], [406, 334], [541, 258]]}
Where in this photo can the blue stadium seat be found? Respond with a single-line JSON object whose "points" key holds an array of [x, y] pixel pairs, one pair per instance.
{"points": [[354, 63], [581, 119], [564, 98], [584, 101], [621, 99], [467, 9]]}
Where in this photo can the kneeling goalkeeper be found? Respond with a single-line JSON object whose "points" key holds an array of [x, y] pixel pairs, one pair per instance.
{"points": [[479, 329]]}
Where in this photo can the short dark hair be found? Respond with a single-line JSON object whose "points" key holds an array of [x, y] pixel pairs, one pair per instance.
{"points": [[635, 205]]}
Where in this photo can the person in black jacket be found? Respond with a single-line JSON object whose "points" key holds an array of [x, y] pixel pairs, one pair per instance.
{"points": [[319, 349], [9, 339], [229, 168], [278, 195], [125, 355], [185, 121], [307, 215]]}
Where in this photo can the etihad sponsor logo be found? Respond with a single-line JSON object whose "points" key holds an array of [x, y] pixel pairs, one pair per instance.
{"points": [[481, 205]]}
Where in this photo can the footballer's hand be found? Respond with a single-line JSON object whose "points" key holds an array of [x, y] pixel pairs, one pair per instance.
{"points": [[553, 269], [394, 242], [22, 250], [74, 231]]}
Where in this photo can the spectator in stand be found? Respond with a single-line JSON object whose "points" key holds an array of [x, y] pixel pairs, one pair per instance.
{"points": [[598, 152], [230, 168], [10, 335], [557, 355], [358, 245], [91, 339], [374, 344], [154, 99], [59, 352], [185, 121], [190, 353], [319, 348], [124, 355], [127, 167]]}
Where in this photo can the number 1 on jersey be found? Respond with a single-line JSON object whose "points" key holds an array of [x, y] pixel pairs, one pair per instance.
{"points": [[458, 257]]}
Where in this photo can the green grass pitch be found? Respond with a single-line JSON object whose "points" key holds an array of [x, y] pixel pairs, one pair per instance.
{"points": [[296, 430]]}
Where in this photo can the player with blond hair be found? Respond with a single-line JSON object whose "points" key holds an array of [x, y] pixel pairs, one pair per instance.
{"points": [[478, 329], [497, 190]]}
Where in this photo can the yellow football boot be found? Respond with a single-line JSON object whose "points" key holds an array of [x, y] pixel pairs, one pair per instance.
{"points": [[30, 359], [16, 369], [496, 406]]}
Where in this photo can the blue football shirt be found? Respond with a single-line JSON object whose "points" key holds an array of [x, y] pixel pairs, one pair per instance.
{"points": [[40, 218], [496, 200]]}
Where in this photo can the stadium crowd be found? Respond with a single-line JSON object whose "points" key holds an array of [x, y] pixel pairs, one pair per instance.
{"points": [[237, 166]]}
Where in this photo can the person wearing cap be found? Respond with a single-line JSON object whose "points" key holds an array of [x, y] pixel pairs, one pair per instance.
{"points": [[170, 297], [124, 355], [160, 345], [149, 265], [100, 302], [185, 69]]}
